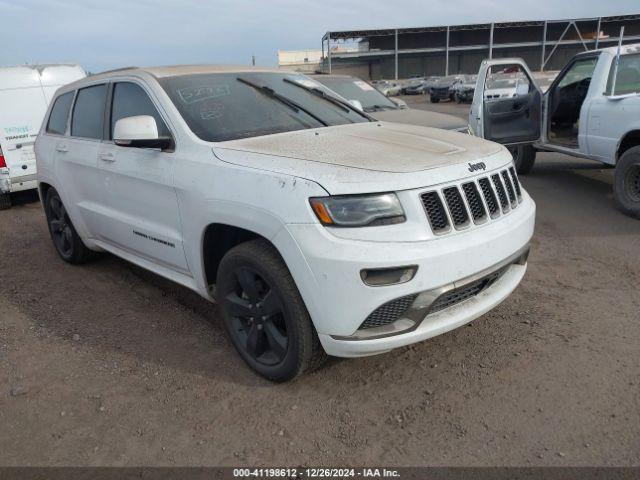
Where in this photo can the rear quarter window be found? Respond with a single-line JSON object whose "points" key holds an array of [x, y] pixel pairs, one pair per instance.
{"points": [[59, 113], [628, 76]]}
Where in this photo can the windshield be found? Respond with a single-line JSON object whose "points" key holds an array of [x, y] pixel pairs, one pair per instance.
{"points": [[353, 89], [226, 106]]}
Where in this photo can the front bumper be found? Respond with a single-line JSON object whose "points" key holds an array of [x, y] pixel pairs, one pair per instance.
{"points": [[328, 277]]}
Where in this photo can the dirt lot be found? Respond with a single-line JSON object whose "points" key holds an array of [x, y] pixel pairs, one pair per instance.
{"points": [[106, 364]]}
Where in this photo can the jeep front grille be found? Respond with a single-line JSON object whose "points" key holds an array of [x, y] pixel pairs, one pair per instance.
{"points": [[389, 312], [457, 205]]}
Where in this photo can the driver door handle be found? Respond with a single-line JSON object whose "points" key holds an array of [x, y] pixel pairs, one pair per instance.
{"points": [[107, 157], [62, 148]]}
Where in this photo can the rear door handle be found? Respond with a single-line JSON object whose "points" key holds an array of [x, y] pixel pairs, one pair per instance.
{"points": [[62, 148], [107, 157]]}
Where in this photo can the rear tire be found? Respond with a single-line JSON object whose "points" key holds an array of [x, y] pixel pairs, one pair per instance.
{"points": [[5, 201], [65, 238], [626, 183], [524, 157], [264, 314]]}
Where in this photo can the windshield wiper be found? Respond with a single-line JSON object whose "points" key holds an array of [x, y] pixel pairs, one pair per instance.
{"points": [[342, 104], [271, 93]]}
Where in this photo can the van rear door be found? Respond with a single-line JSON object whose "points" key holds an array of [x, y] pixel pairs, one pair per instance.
{"points": [[21, 113]]}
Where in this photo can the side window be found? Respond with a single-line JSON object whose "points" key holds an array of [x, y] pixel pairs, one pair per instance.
{"points": [[506, 81], [579, 73], [129, 100], [88, 112], [628, 77], [59, 113]]}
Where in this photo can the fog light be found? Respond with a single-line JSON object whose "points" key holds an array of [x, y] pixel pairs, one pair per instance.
{"points": [[378, 277]]}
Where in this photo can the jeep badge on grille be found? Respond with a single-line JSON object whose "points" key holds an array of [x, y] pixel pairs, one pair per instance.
{"points": [[477, 166]]}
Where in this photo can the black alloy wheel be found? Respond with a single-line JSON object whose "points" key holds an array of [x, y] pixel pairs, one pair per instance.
{"points": [[65, 238], [60, 227], [264, 314], [258, 319]]}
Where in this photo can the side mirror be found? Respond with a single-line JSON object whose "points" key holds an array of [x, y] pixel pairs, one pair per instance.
{"points": [[140, 131], [399, 103], [357, 104]]}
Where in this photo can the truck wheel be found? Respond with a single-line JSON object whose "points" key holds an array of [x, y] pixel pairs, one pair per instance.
{"points": [[5, 201], [434, 99], [65, 238], [264, 314], [524, 156], [626, 184]]}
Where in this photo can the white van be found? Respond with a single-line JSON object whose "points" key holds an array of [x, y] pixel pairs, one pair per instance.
{"points": [[25, 92]]}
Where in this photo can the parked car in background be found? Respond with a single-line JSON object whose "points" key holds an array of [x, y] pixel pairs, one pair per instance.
{"points": [[504, 86], [463, 90], [372, 101], [25, 92], [591, 110], [317, 229], [418, 87], [442, 88], [387, 87]]}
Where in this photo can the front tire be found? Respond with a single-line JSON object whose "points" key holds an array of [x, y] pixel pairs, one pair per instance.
{"points": [[626, 183], [5, 201], [524, 157], [264, 314], [65, 238], [434, 99]]}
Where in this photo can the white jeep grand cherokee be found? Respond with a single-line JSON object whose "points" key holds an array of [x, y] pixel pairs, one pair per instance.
{"points": [[317, 228]]}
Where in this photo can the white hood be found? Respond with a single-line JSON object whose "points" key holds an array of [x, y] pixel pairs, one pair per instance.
{"points": [[373, 156]]}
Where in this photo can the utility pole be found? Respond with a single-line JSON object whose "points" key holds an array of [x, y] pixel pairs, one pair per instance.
{"points": [[253, 60]]}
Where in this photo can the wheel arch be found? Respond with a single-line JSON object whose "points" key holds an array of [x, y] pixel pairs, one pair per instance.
{"points": [[629, 140], [217, 240], [43, 188]]}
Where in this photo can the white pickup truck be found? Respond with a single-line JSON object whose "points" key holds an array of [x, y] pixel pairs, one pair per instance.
{"points": [[591, 110]]}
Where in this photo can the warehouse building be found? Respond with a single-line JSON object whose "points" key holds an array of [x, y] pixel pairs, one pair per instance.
{"points": [[452, 49]]}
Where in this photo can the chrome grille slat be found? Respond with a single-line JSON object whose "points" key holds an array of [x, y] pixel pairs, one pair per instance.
{"points": [[510, 190], [435, 212], [516, 183], [474, 201], [457, 208], [489, 197], [502, 194]]}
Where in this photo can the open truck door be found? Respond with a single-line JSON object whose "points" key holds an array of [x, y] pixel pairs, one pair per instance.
{"points": [[507, 108]]}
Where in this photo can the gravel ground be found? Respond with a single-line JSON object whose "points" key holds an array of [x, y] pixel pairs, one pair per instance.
{"points": [[106, 364]]}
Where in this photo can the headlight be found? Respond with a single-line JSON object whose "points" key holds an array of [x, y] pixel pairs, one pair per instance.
{"points": [[358, 210]]}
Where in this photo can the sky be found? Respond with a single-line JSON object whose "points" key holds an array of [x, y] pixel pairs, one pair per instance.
{"points": [[104, 34]]}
